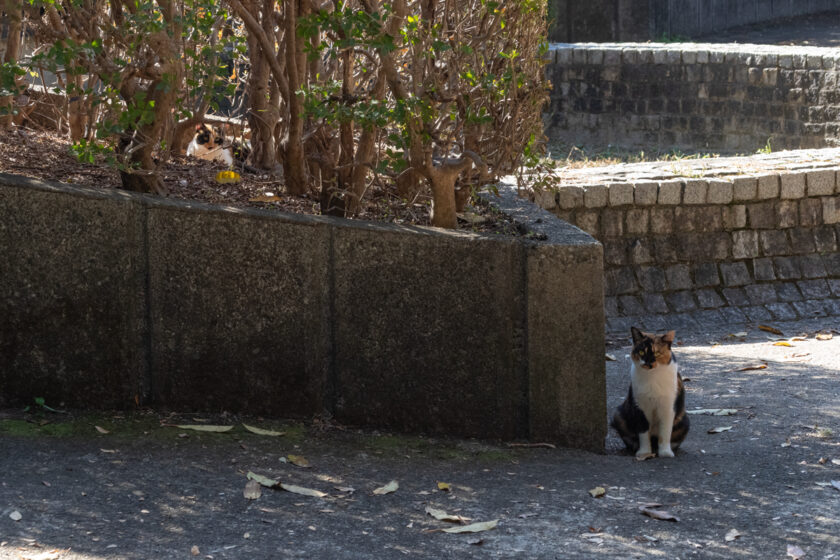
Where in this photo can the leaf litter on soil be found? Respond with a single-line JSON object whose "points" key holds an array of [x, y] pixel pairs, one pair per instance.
{"points": [[271, 483], [205, 428], [652, 510], [261, 431], [441, 515], [392, 486]]}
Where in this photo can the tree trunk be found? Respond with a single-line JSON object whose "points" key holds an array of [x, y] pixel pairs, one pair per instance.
{"points": [[76, 114], [14, 12], [443, 199], [160, 95], [295, 164], [263, 112], [442, 178]]}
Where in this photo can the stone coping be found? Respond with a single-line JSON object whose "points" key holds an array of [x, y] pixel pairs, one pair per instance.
{"points": [[783, 56], [789, 174]]}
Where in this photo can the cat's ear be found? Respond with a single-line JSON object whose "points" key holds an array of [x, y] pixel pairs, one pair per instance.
{"points": [[638, 337], [669, 337]]}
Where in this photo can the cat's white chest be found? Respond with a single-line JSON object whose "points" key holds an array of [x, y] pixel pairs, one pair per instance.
{"points": [[215, 154], [654, 390]]}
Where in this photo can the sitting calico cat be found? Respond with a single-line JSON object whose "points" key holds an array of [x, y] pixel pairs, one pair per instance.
{"points": [[208, 144], [652, 417]]}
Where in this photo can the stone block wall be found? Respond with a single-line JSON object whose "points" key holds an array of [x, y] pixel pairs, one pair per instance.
{"points": [[110, 299], [694, 97], [687, 252], [640, 20]]}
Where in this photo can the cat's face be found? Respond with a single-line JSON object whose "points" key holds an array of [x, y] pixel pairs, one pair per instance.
{"points": [[651, 350], [208, 137]]}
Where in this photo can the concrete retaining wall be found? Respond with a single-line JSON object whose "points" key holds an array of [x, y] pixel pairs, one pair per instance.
{"points": [[697, 97], [110, 299], [708, 242], [642, 20]]}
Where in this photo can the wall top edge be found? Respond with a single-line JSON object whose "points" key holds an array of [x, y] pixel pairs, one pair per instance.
{"points": [[741, 48], [526, 213]]}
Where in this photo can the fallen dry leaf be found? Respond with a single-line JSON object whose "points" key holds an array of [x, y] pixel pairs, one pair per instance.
{"points": [[770, 329], [835, 461], [101, 430], [444, 486], [267, 197], [732, 535], [392, 486], [741, 334], [782, 343], [441, 515], [253, 490], [835, 484], [195, 551], [263, 480], [474, 527], [719, 429], [750, 368], [50, 555], [714, 411], [262, 432], [299, 461], [610, 357], [598, 492], [533, 445], [15, 516], [302, 491], [645, 457], [205, 428], [786, 443], [824, 336], [594, 538], [651, 511], [795, 552], [348, 489]]}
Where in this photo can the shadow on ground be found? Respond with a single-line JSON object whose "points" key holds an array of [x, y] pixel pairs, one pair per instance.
{"points": [[144, 490]]}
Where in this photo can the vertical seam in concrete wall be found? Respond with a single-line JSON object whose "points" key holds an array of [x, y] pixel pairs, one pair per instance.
{"points": [[148, 374], [526, 358], [331, 389]]}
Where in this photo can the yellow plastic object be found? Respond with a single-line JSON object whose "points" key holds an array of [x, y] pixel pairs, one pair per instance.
{"points": [[227, 177]]}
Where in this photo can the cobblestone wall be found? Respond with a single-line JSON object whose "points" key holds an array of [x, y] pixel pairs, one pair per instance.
{"points": [[639, 20], [737, 239], [722, 98]]}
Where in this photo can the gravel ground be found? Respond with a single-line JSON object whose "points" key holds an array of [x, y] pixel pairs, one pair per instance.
{"points": [[148, 490]]}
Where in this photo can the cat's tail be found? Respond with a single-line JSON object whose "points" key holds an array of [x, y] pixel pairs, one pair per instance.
{"points": [[628, 436]]}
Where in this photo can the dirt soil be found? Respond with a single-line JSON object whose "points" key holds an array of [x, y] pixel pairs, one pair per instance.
{"points": [[817, 30], [147, 489], [46, 155]]}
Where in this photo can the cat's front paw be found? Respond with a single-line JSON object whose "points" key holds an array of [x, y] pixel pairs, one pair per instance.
{"points": [[667, 452]]}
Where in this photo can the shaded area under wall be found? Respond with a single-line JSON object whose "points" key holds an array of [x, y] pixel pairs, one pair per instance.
{"points": [[110, 299]]}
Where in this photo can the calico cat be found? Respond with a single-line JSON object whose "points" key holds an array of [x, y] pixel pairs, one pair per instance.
{"points": [[209, 144], [652, 417]]}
